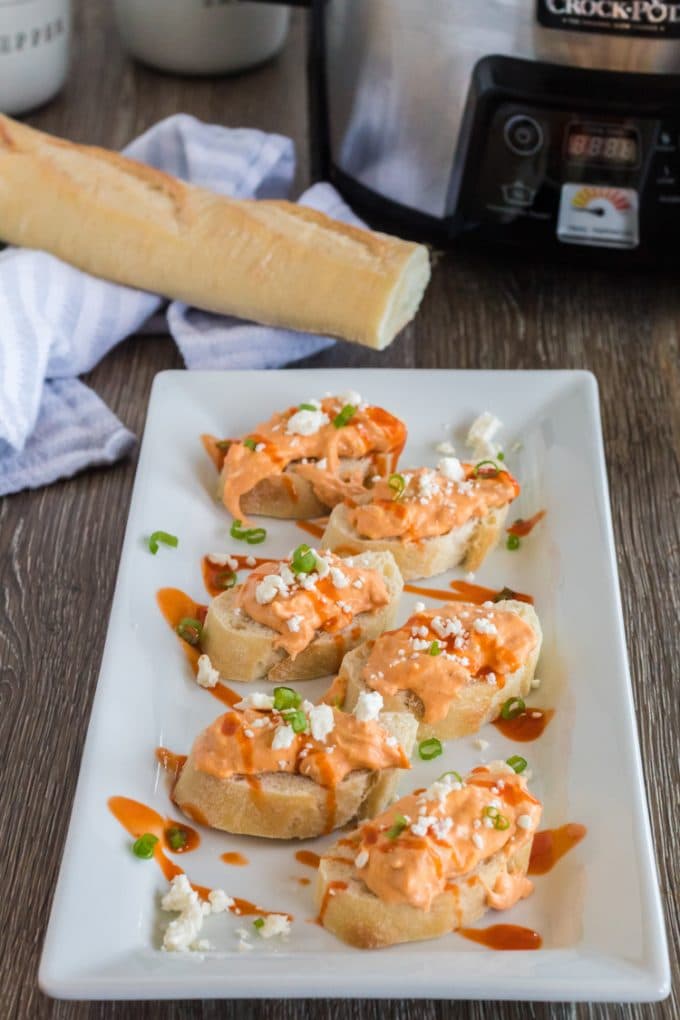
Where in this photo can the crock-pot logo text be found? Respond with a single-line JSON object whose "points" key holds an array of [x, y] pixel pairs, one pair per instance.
{"points": [[629, 17]]}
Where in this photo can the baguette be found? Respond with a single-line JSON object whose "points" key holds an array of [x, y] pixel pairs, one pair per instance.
{"points": [[355, 914], [240, 648], [467, 546], [272, 261], [290, 806], [289, 496], [474, 704]]}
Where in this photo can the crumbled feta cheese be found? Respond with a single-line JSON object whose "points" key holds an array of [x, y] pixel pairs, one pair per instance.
{"points": [[445, 626], [427, 485], [535, 683], [207, 675], [345, 607], [219, 901], [338, 578], [223, 560], [274, 924], [180, 895], [250, 561], [491, 679], [294, 622], [391, 741], [481, 432], [306, 423], [451, 468], [420, 827], [442, 827], [322, 464], [419, 607], [321, 721], [469, 577], [419, 645], [287, 575], [368, 706], [361, 859], [269, 587], [445, 447], [182, 931], [484, 626], [249, 733], [350, 397], [477, 840], [524, 822], [283, 737], [259, 447], [308, 581], [258, 699], [321, 563]]}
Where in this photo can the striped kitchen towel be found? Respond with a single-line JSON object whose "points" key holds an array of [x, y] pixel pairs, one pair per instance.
{"points": [[57, 322]]}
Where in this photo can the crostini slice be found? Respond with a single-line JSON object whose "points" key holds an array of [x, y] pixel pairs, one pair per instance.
{"points": [[429, 520], [280, 767], [294, 619], [307, 458], [433, 862], [453, 666]]}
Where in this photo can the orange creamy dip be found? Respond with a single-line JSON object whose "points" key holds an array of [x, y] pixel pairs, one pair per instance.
{"points": [[431, 503], [307, 439], [300, 605], [450, 833], [243, 742], [475, 643]]}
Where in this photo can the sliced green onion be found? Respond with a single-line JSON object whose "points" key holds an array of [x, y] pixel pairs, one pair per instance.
{"points": [[224, 444], [144, 846], [500, 822], [285, 698], [512, 708], [504, 593], [490, 812], [177, 838], [190, 630], [517, 763], [347, 413], [500, 456], [250, 443], [296, 718], [397, 828], [303, 560], [226, 579], [397, 484], [512, 542], [307, 407], [253, 536], [452, 772], [429, 749], [162, 536], [434, 649], [258, 922], [491, 471]]}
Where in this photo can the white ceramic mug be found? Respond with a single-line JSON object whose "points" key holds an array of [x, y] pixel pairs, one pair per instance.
{"points": [[34, 48], [201, 36]]}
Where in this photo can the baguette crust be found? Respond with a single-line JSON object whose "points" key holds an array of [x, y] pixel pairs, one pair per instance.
{"points": [[271, 261], [290, 806], [242, 649], [359, 918], [474, 705], [288, 496], [467, 545]]}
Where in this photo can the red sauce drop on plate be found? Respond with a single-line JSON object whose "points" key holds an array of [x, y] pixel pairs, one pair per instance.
{"points": [[503, 936], [526, 726], [175, 605], [308, 858], [171, 762], [522, 527], [552, 844], [236, 859], [312, 527]]}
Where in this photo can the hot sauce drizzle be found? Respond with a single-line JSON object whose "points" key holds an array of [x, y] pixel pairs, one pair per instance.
{"points": [[213, 571], [331, 890], [552, 844], [136, 818], [522, 527], [503, 936], [463, 591], [171, 762], [234, 858], [315, 528], [526, 726], [308, 858]]}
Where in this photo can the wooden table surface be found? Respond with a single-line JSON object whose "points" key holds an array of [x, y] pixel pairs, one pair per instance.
{"points": [[59, 547]]}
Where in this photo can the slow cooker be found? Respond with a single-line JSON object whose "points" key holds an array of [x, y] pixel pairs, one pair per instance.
{"points": [[551, 124]]}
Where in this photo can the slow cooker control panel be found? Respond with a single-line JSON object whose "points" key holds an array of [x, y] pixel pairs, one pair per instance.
{"points": [[543, 170]]}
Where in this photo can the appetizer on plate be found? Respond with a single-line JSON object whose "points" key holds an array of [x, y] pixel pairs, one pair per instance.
{"points": [[433, 862], [429, 520], [294, 619], [306, 459], [281, 767], [454, 666]]}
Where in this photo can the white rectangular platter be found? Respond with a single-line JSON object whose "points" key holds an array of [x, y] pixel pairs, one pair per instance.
{"points": [[598, 910]]}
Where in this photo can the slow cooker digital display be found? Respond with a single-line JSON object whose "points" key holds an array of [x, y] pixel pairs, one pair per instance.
{"points": [[602, 145]]}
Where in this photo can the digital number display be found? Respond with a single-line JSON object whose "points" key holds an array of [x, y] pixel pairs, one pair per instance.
{"points": [[601, 144]]}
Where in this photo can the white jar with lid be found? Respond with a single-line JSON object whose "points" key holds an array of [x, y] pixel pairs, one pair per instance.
{"points": [[34, 49], [201, 36]]}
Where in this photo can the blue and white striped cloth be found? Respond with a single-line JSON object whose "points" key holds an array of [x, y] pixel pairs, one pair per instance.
{"points": [[56, 322]]}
